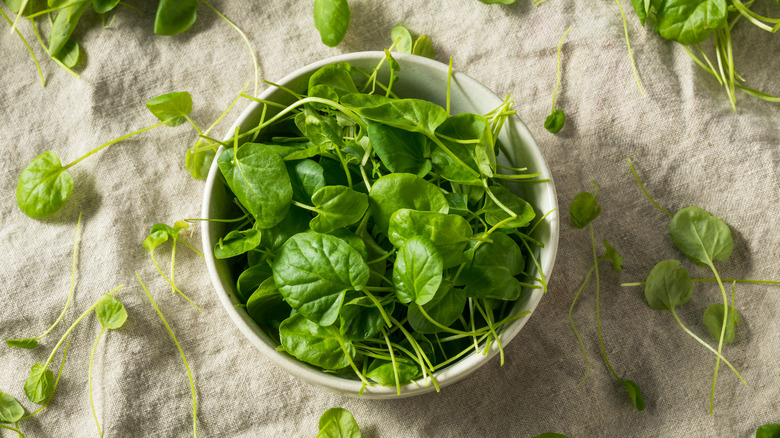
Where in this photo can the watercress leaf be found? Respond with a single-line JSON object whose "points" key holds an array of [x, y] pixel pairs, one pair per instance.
{"points": [[445, 308], [266, 306], [612, 255], [38, 385], [296, 221], [395, 191], [360, 319], [306, 177], [458, 203], [325, 92], [409, 114], [383, 372], [313, 343], [633, 392], [103, 6], [337, 207], [668, 285], [337, 76], [703, 238], [31, 7], [424, 47], [251, 279], [584, 209], [179, 226], [10, 409], [171, 108], [399, 150], [314, 271], [357, 101], [495, 214], [331, 18], [690, 22], [64, 25], [479, 157], [155, 239], [236, 243], [713, 320], [165, 228], [28, 344], [492, 268], [404, 44], [175, 16], [259, 179], [391, 61], [418, 271], [449, 233], [352, 240], [338, 423], [768, 431], [43, 186], [322, 130], [555, 121], [110, 312], [198, 160], [70, 54], [641, 11]]}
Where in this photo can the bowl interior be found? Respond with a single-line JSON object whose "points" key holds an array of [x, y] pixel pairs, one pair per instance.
{"points": [[420, 78]]}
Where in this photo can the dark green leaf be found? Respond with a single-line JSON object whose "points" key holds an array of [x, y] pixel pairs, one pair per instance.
{"points": [[555, 121], [458, 203], [636, 396], [236, 243], [251, 279], [382, 372], [410, 114], [259, 179], [449, 233], [492, 269], [103, 6], [639, 8], [331, 18], [360, 319], [313, 343], [401, 151], [296, 221], [306, 177], [479, 158], [395, 191], [713, 320], [28, 344], [690, 22], [336, 76], [584, 209], [70, 54], [418, 270], [43, 186], [175, 16], [266, 306], [10, 409], [768, 431], [703, 238], [612, 255], [64, 25], [668, 285], [495, 214], [171, 108], [445, 308], [337, 207]]}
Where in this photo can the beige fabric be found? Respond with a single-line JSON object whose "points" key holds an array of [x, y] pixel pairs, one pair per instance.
{"points": [[689, 146]]}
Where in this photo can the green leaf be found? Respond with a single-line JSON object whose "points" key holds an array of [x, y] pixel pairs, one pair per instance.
{"points": [[28, 344], [418, 270], [198, 160], [690, 22], [640, 9], [306, 177], [39, 384], [768, 431], [555, 121], [171, 108], [405, 43], [338, 423], [331, 18], [495, 214], [43, 186], [395, 191], [703, 238], [175, 16], [314, 271], [401, 151], [458, 203], [383, 373], [633, 392], [424, 47], [409, 114], [360, 319], [492, 268], [612, 255], [156, 238], [259, 179], [337, 207], [336, 76], [445, 308], [266, 306], [322, 130], [64, 25], [668, 285], [103, 6], [449, 233], [352, 240], [313, 343], [584, 209], [10, 409], [110, 312], [236, 243], [251, 279], [70, 54], [713, 320], [296, 221], [479, 157]]}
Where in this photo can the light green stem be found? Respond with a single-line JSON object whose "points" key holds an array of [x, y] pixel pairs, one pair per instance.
{"points": [[116, 140], [89, 380]]}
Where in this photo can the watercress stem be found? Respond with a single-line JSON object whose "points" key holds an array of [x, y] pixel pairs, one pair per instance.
{"points": [[392, 360], [574, 328], [116, 140], [722, 334], [641, 186], [598, 307], [89, 380], [706, 280], [29, 49], [154, 260], [558, 74]]}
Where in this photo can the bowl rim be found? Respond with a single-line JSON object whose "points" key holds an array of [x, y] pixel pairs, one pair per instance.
{"points": [[261, 341]]}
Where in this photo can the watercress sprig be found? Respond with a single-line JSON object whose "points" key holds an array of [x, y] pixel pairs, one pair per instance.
{"points": [[557, 118]]}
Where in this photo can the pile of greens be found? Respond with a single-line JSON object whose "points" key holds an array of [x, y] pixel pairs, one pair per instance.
{"points": [[378, 234]]}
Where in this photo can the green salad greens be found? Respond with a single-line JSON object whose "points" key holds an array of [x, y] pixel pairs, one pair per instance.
{"points": [[376, 235]]}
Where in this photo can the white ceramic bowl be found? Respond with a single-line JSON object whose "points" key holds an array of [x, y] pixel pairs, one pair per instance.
{"points": [[420, 78]]}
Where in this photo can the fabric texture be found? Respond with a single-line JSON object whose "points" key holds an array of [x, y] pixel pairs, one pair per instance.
{"points": [[689, 147]]}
